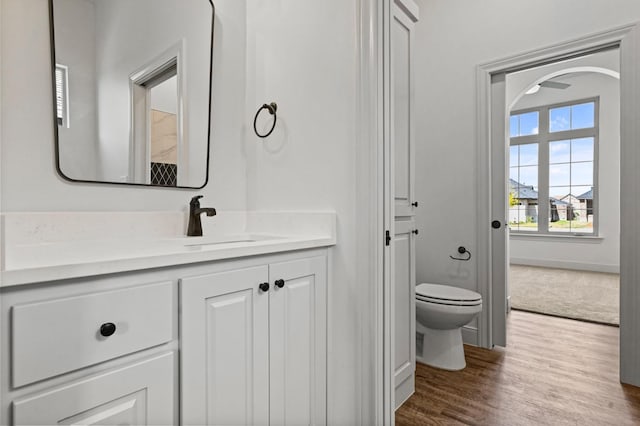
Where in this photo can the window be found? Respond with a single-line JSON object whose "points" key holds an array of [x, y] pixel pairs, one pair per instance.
{"points": [[552, 169], [62, 95]]}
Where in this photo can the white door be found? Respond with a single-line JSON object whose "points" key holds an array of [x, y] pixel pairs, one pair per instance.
{"points": [[402, 111], [404, 310], [224, 360], [297, 318], [138, 394], [499, 211]]}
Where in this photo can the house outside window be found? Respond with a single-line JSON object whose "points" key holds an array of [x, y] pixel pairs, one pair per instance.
{"points": [[552, 169]]}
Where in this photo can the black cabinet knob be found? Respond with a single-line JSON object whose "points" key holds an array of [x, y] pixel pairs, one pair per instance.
{"points": [[414, 204], [279, 283], [107, 329], [495, 224], [264, 286], [415, 231]]}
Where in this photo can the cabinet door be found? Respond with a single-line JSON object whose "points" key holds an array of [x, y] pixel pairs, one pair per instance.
{"points": [[225, 348], [139, 394], [297, 316], [404, 306], [402, 111]]}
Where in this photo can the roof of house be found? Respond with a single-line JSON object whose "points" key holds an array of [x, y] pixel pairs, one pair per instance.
{"points": [[523, 192], [586, 196]]}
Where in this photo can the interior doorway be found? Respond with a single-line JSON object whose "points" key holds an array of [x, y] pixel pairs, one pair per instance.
{"points": [[563, 190], [493, 213]]}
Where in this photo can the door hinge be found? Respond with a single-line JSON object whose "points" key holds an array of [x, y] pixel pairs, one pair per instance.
{"points": [[387, 238]]}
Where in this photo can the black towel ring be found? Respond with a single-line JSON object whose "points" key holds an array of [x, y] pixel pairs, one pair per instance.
{"points": [[272, 108], [462, 250]]}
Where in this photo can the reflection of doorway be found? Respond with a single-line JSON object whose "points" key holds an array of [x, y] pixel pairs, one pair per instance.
{"points": [[564, 198], [163, 133], [157, 139]]}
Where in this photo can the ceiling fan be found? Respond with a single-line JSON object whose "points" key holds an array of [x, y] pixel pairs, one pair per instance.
{"points": [[549, 84]]}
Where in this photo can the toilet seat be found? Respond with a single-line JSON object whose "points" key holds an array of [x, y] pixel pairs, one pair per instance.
{"points": [[447, 295]]}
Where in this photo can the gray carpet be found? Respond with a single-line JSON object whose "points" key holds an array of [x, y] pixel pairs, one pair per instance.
{"points": [[590, 296]]}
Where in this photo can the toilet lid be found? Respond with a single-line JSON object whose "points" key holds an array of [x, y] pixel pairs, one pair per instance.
{"points": [[448, 295]]}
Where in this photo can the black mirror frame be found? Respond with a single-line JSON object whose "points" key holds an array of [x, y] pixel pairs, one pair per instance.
{"points": [[55, 113]]}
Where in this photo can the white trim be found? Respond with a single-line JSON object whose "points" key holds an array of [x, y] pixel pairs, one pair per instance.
{"points": [[628, 39], [375, 406], [470, 335], [410, 8], [561, 264]]}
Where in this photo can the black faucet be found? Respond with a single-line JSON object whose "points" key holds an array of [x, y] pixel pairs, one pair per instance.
{"points": [[195, 225]]}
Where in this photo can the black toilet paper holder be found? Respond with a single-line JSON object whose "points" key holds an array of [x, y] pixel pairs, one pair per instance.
{"points": [[462, 250]]}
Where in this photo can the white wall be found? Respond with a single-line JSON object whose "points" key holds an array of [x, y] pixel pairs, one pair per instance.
{"points": [[29, 179], [455, 37], [302, 55], [599, 254]]}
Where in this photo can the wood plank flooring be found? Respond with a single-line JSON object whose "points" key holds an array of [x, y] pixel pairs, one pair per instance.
{"points": [[554, 371]]}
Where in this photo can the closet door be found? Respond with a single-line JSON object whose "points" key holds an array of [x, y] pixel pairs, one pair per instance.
{"points": [[402, 107], [225, 348], [297, 317], [404, 310]]}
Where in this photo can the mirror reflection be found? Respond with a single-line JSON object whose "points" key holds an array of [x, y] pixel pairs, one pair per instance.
{"points": [[132, 90]]}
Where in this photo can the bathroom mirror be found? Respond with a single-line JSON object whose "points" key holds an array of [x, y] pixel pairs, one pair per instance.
{"points": [[132, 90]]}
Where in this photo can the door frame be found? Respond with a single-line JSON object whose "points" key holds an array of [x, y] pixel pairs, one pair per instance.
{"points": [[372, 211], [627, 38]]}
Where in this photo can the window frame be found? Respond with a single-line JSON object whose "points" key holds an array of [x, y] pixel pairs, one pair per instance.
{"points": [[543, 138]]}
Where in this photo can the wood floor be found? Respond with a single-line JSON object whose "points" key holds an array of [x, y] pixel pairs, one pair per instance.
{"points": [[554, 371]]}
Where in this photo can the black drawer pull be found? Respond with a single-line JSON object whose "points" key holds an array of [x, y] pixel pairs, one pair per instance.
{"points": [[107, 329], [264, 287], [279, 283]]}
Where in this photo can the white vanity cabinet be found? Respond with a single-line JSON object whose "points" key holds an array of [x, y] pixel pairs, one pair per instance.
{"points": [[138, 394], [241, 340], [90, 352], [253, 345]]}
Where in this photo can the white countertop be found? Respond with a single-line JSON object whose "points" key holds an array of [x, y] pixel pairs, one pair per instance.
{"points": [[32, 258]]}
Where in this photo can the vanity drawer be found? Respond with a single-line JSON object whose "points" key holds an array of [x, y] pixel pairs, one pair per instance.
{"points": [[57, 336]]}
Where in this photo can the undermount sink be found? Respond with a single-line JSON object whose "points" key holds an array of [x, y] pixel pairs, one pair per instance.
{"points": [[224, 239]]}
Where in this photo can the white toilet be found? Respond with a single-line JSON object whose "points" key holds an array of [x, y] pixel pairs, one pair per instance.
{"points": [[441, 311]]}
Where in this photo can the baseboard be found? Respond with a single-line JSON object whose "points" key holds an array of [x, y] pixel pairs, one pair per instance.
{"points": [[470, 335], [405, 389], [561, 264]]}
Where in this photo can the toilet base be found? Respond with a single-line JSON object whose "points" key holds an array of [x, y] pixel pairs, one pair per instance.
{"points": [[441, 349]]}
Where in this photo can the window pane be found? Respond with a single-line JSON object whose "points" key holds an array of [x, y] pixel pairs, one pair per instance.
{"points": [[528, 176], [513, 155], [582, 149], [513, 173], [514, 130], [529, 123], [583, 222], [582, 192], [582, 173], [560, 175], [559, 119], [559, 152], [560, 209], [582, 116], [529, 154], [559, 193]]}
